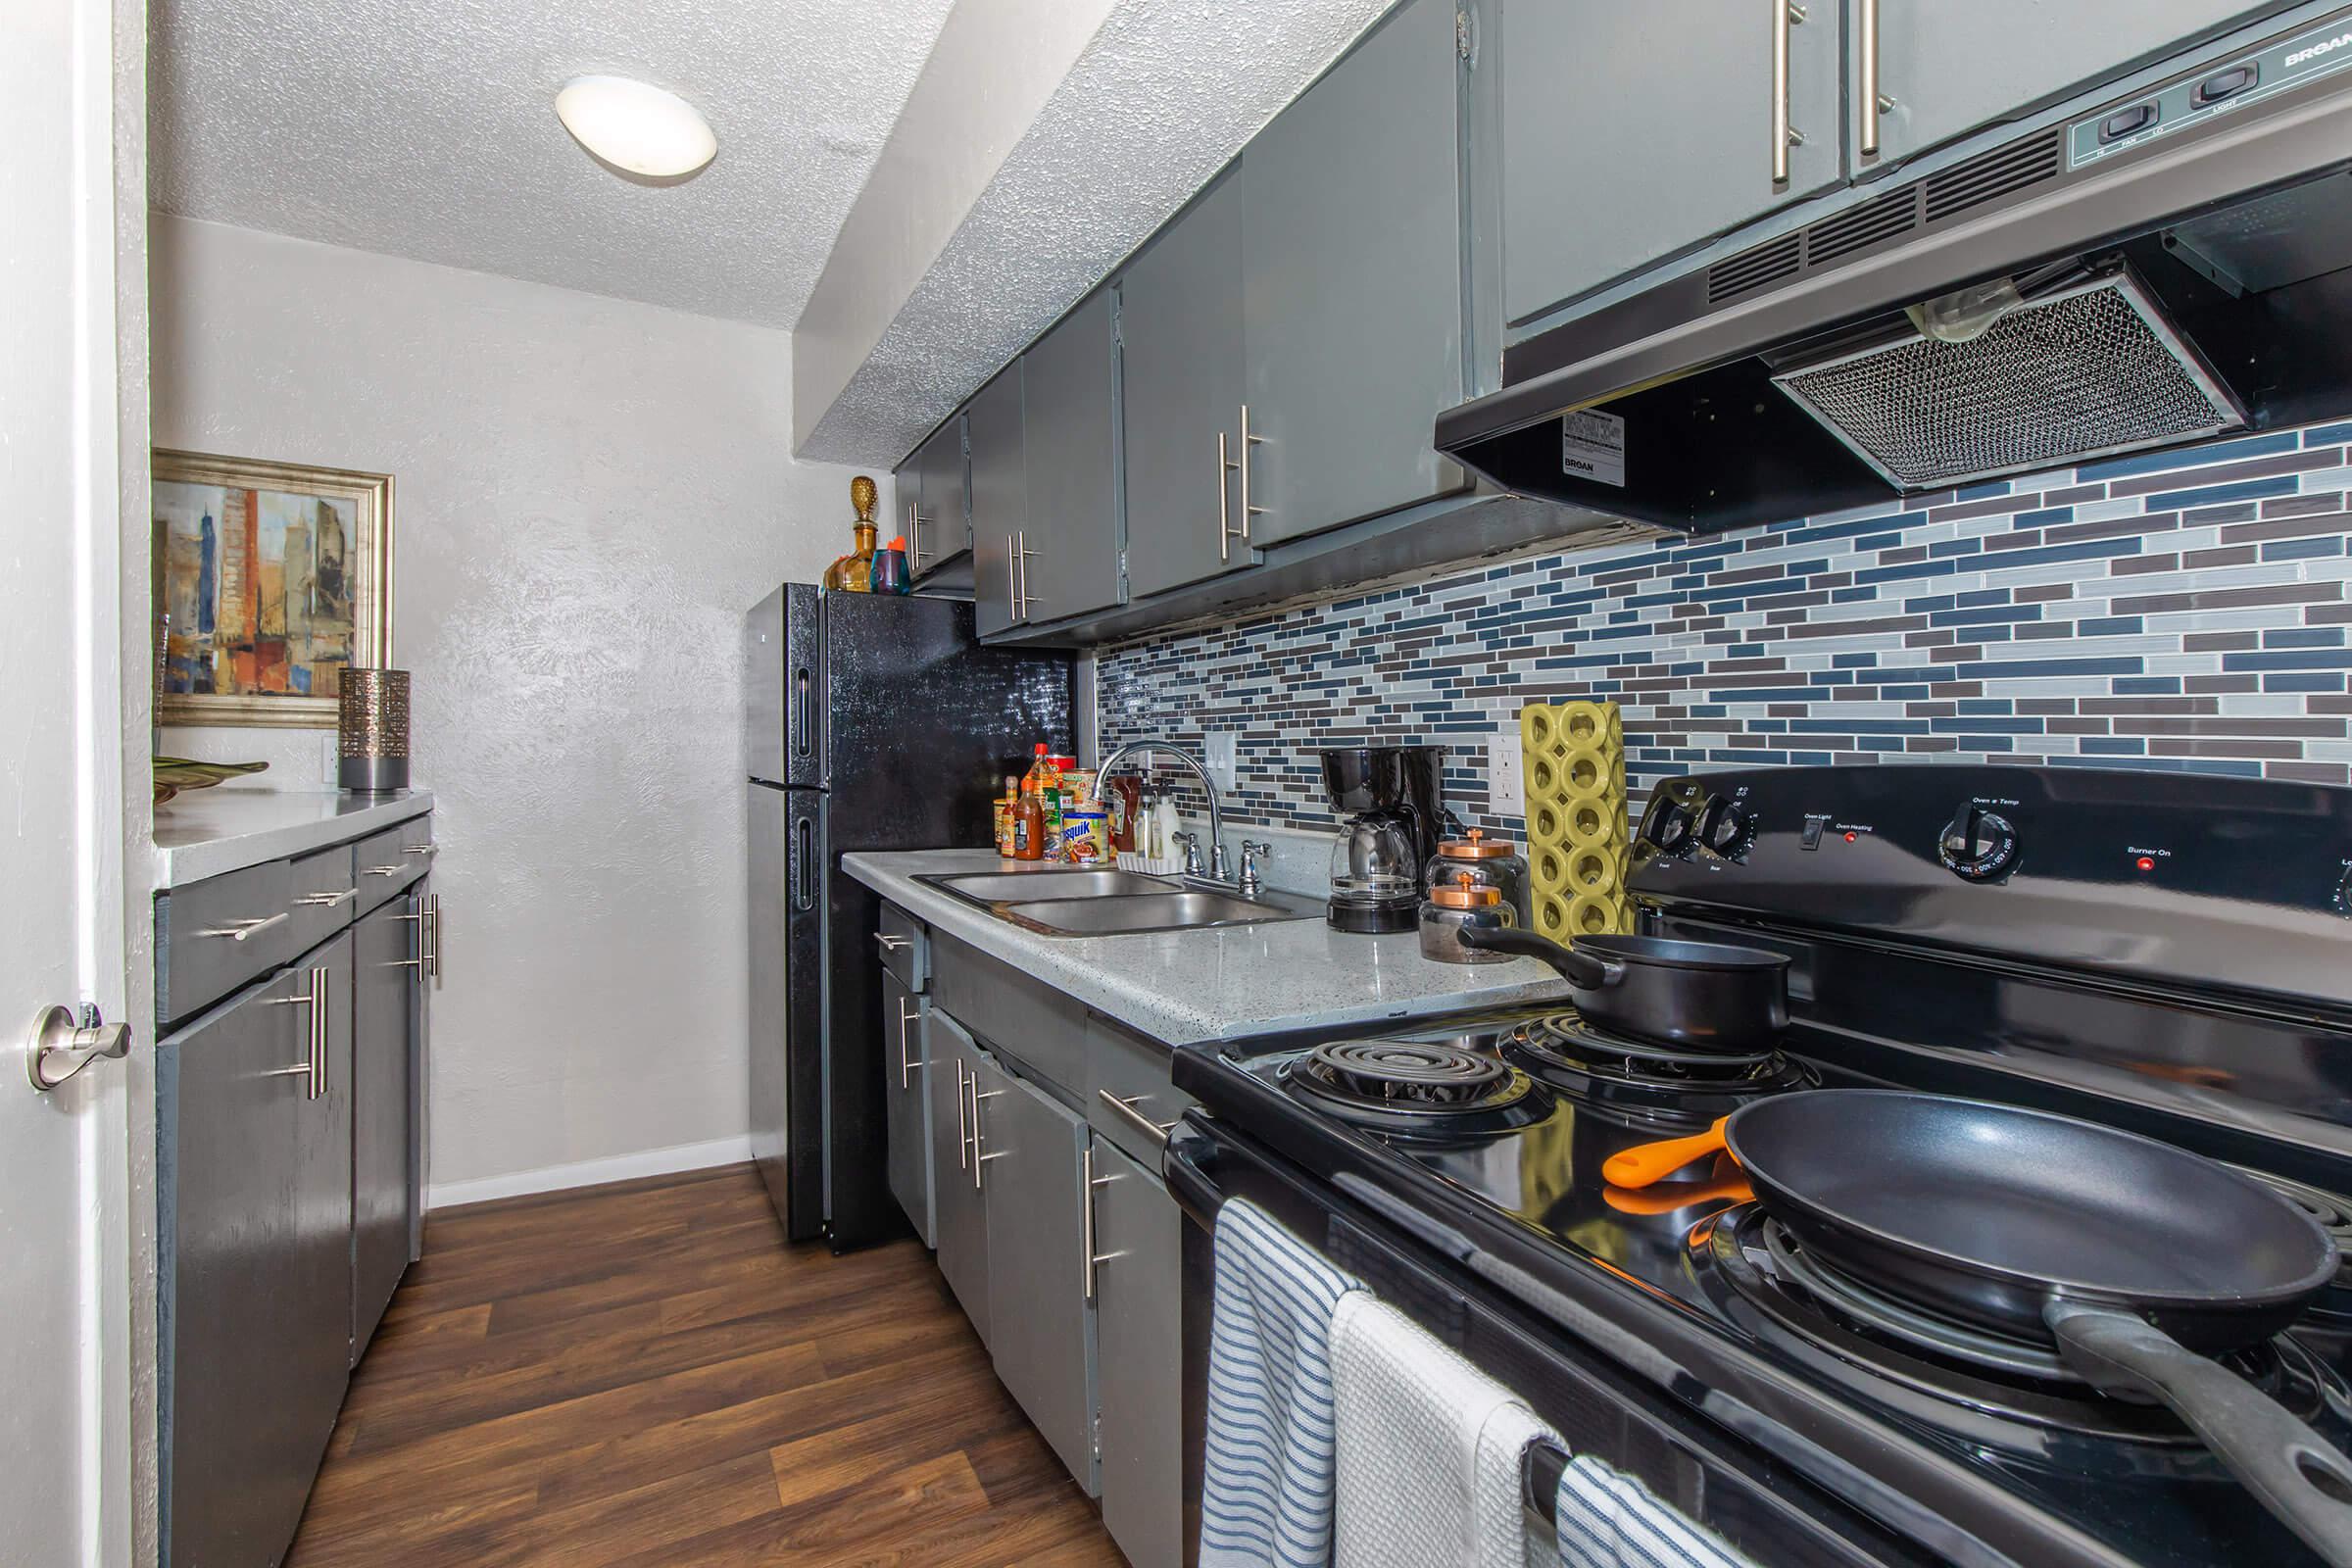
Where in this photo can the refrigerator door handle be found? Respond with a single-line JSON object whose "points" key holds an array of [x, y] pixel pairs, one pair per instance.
{"points": [[803, 737], [803, 851]]}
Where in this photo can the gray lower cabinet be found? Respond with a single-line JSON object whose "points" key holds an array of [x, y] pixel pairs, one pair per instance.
{"points": [[254, 1170], [1181, 391], [1951, 68], [1032, 1159], [1069, 394], [937, 523], [1139, 1357], [388, 961], [1633, 131], [960, 1210], [1353, 285], [906, 1102], [999, 503]]}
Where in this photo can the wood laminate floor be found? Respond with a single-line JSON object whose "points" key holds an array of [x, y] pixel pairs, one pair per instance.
{"points": [[646, 1374]]}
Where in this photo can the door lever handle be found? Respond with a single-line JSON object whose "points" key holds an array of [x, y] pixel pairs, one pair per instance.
{"points": [[60, 1046]]}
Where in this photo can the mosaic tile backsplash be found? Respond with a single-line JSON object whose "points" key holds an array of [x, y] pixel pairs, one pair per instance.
{"points": [[2182, 611]]}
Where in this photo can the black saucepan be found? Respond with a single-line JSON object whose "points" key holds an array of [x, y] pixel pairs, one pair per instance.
{"points": [[1704, 995], [2138, 1261]]}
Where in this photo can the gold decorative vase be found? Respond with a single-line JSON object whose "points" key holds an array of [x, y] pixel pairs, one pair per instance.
{"points": [[373, 728]]}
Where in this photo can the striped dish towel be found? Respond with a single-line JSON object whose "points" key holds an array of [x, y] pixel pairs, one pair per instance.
{"points": [[1609, 1520], [1266, 1492]]}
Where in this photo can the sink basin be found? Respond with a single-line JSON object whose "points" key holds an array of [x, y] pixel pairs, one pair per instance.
{"points": [[1107, 901], [1185, 910], [988, 887]]}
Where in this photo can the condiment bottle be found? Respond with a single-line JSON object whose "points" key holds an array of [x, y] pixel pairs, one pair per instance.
{"points": [[1124, 800], [890, 568], [1029, 829], [1003, 814]]}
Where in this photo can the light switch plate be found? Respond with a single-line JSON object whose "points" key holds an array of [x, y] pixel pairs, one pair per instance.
{"points": [[1224, 765], [1506, 784]]}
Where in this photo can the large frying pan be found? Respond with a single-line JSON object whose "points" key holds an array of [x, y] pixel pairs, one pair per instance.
{"points": [[2138, 1259], [1701, 995]]}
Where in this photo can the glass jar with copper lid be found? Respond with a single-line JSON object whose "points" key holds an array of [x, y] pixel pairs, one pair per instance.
{"points": [[1489, 862], [1463, 902]]}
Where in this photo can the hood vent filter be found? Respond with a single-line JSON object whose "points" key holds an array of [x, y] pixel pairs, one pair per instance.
{"points": [[2086, 372]]}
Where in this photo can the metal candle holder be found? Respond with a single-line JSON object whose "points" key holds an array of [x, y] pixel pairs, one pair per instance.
{"points": [[373, 728]]}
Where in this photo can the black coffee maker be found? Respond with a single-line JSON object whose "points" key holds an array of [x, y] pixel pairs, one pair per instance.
{"points": [[1389, 796]]}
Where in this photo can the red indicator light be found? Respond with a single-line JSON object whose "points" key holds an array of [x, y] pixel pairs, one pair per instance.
{"points": [[2146, 862], [1849, 837]]}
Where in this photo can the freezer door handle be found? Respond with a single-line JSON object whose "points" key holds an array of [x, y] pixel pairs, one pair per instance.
{"points": [[804, 738]]}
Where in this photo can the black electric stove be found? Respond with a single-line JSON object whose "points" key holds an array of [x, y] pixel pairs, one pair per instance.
{"points": [[2167, 954]]}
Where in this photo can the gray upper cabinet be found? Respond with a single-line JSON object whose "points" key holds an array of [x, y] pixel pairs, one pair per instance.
{"points": [[959, 1211], [1139, 1238], [906, 1103], [1633, 131], [1353, 285], [1181, 357], [1031, 1152], [937, 525], [999, 501], [1951, 68], [1069, 387]]}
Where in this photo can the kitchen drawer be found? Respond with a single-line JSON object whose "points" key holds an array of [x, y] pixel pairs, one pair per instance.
{"points": [[387, 861], [321, 891], [211, 937], [1041, 1028], [905, 946], [1128, 1067]]}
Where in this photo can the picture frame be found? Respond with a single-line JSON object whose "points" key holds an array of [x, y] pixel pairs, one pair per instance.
{"points": [[274, 576]]}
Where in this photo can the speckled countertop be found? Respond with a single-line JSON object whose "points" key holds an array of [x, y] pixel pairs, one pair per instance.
{"points": [[1182, 985], [208, 832]]}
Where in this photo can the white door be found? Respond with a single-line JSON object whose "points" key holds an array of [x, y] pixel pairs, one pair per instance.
{"points": [[64, 1243]]}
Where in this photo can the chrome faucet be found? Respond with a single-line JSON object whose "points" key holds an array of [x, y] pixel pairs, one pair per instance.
{"points": [[1216, 812]]}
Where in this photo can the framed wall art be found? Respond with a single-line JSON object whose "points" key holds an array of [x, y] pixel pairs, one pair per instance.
{"points": [[270, 578]]}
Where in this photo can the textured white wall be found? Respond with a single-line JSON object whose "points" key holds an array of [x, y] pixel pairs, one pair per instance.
{"points": [[589, 494]]}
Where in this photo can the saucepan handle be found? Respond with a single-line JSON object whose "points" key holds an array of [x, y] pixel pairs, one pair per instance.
{"points": [[1581, 968], [1646, 1164], [2291, 1468]]}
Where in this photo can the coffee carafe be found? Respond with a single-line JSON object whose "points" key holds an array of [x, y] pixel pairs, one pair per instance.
{"points": [[1389, 798]]}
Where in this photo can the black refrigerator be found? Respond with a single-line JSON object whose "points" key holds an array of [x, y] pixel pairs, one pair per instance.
{"points": [[874, 722]]}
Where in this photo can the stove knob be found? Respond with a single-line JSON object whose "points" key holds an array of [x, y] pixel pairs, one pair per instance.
{"points": [[1977, 844], [1669, 827], [1725, 829]]}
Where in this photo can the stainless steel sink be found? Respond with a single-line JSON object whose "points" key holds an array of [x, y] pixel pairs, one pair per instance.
{"points": [[988, 887], [1112, 902]]}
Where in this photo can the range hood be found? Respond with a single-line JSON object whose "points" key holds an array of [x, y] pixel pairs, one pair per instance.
{"points": [[2169, 266]]}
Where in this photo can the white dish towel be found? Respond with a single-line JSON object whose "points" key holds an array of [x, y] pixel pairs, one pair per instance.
{"points": [[1430, 1449], [1265, 1497], [1609, 1520]]}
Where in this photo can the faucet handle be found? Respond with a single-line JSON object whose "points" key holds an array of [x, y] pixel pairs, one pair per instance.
{"points": [[1253, 852], [1192, 850]]}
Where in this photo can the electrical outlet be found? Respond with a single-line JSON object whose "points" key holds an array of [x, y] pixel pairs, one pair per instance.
{"points": [[1224, 764], [1507, 785]]}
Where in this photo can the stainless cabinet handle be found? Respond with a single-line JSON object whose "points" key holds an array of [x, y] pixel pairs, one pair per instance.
{"points": [[1225, 466], [380, 870], [915, 531], [239, 930], [1156, 1130], [1012, 579], [328, 900], [323, 1025], [978, 1158], [422, 849], [1874, 102], [1022, 552], [60, 1046], [433, 937], [891, 944], [314, 1064], [905, 1067], [1248, 441], [963, 1138], [1087, 1215], [1784, 15]]}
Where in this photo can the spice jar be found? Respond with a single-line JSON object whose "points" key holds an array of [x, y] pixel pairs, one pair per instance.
{"points": [[1489, 863], [1464, 901]]}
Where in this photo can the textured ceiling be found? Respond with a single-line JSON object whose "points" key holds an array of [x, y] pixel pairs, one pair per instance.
{"points": [[427, 128], [1165, 94]]}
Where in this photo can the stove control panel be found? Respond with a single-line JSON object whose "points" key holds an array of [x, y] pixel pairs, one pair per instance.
{"points": [[2180, 878]]}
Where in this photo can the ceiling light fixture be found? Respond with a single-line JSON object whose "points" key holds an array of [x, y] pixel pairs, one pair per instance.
{"points": [[636, 127]]}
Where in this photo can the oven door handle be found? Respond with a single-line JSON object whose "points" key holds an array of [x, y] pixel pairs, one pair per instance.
{"points": [[1188, 1147]]}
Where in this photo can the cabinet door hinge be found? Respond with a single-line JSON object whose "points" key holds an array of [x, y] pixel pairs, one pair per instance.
{"points": [[1462, 38]]}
